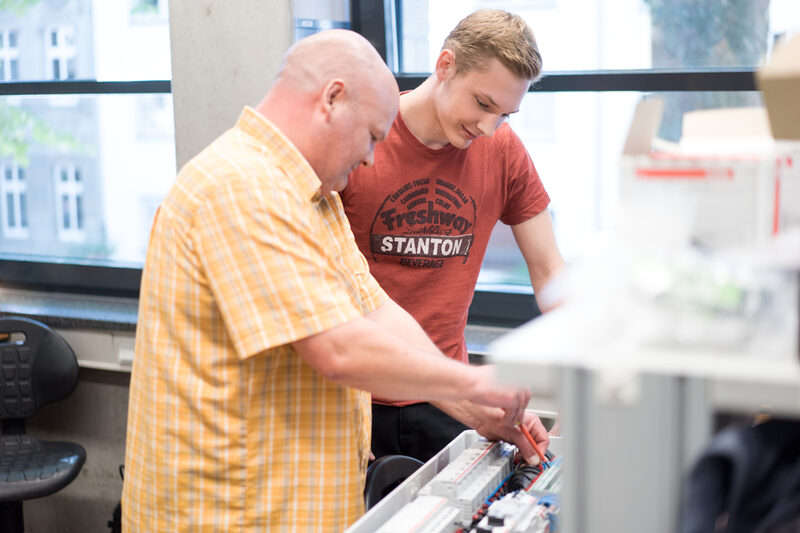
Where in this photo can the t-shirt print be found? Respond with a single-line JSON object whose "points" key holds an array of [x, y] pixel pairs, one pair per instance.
{"points": [[425, 222]]}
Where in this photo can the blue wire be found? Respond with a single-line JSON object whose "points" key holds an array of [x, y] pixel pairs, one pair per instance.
{"points": [[498, 488], [550, 499]]}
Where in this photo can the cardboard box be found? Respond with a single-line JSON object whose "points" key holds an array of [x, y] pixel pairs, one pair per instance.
{"points": [[734, 177], [779, 82]]}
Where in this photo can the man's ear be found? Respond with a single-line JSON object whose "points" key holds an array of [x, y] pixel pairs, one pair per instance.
{"points": [[445, 64], [332, 94]]}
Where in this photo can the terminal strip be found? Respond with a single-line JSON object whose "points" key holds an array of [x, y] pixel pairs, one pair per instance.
{"points": [[473, 475], [424, 514], [516, 512], [475, 494], [451, 499]]}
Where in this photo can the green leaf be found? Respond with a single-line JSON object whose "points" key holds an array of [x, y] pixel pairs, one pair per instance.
{"points": [[17, 7]]}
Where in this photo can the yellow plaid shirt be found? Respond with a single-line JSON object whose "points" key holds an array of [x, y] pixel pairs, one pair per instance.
{"points": [[229, 430]]}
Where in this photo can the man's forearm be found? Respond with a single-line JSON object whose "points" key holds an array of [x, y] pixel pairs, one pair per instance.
{"points": [[399, 321]]}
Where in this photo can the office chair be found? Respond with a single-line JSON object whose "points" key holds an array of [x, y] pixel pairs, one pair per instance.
{"points": [[385, 474], [37, 366]]}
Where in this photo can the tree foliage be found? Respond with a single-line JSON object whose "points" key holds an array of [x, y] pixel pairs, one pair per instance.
{"points": [[19, 130], [707, 34], [18, 7], [143, 7]]}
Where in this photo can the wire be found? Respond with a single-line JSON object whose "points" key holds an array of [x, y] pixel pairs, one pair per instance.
{"points": [[500, 486]]}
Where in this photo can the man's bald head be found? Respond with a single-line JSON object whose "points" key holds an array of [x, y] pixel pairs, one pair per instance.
{"points": [[334, 98], [312, 62]]}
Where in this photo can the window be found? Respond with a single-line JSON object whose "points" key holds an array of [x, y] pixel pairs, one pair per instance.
{"points": [[13, 189], [9, 55], [574, 121], [69, 203], [60, 52], [88, 127]]}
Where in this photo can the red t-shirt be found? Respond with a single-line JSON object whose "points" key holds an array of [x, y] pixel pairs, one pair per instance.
{"points": [[423, 217]]}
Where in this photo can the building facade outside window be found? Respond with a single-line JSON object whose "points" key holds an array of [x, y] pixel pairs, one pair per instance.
{"points": [[95, 143], [9, 55]]}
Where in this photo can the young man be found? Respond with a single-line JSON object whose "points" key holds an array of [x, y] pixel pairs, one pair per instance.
{"points": [[259, 321], [423, 214]]}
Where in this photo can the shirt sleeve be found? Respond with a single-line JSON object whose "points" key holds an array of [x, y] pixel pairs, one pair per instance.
{"points": [[526, 196], [278, 272]]}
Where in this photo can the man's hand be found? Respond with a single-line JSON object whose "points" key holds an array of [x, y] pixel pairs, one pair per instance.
{"points": [[498, 425], [486, 391]]}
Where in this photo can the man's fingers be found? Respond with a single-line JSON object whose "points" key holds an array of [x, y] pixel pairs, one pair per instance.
{"points": [[524, 447], [539, 433]]}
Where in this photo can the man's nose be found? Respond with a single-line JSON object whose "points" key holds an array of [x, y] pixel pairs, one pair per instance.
{"points": [[489, 123], [369, 160]]}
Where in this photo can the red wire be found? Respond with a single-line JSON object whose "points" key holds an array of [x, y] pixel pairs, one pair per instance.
{"points": [[533, 443]]}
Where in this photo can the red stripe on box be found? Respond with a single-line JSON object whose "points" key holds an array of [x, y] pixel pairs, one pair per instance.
{"points": [[683, 173]]}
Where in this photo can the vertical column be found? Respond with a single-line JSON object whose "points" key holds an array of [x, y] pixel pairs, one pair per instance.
{"points": [[224, 56]]}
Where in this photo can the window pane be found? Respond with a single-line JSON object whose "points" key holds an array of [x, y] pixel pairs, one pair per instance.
{"points": [[112, 179], [586, 34], [23, 210], [79, 211], [577, 156], [65, 210], [93, 40], [10, 209]]}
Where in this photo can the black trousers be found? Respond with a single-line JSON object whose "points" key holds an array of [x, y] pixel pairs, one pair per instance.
{"points": [[418, 430]]}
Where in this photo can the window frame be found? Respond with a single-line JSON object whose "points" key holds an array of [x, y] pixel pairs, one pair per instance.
{"points": [[509, 307], [61, 274]]}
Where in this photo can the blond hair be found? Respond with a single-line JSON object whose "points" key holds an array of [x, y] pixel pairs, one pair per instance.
{"points": [[489, 33]]}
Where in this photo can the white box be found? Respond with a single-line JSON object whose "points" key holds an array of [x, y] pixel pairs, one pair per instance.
{"points": [[727, 182]]}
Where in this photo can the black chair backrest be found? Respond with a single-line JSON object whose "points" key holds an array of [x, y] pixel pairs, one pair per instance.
{"points": [[40, 369], [385, 474]]}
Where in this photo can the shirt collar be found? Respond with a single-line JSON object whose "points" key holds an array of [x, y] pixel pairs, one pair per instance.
{"points": [[288, 157]]}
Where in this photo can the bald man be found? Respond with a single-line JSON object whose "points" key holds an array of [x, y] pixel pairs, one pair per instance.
{"points": [[261, 332]]}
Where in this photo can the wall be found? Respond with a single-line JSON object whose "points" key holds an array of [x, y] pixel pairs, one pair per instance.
{"points": [[94, 416], [222, 59]]}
